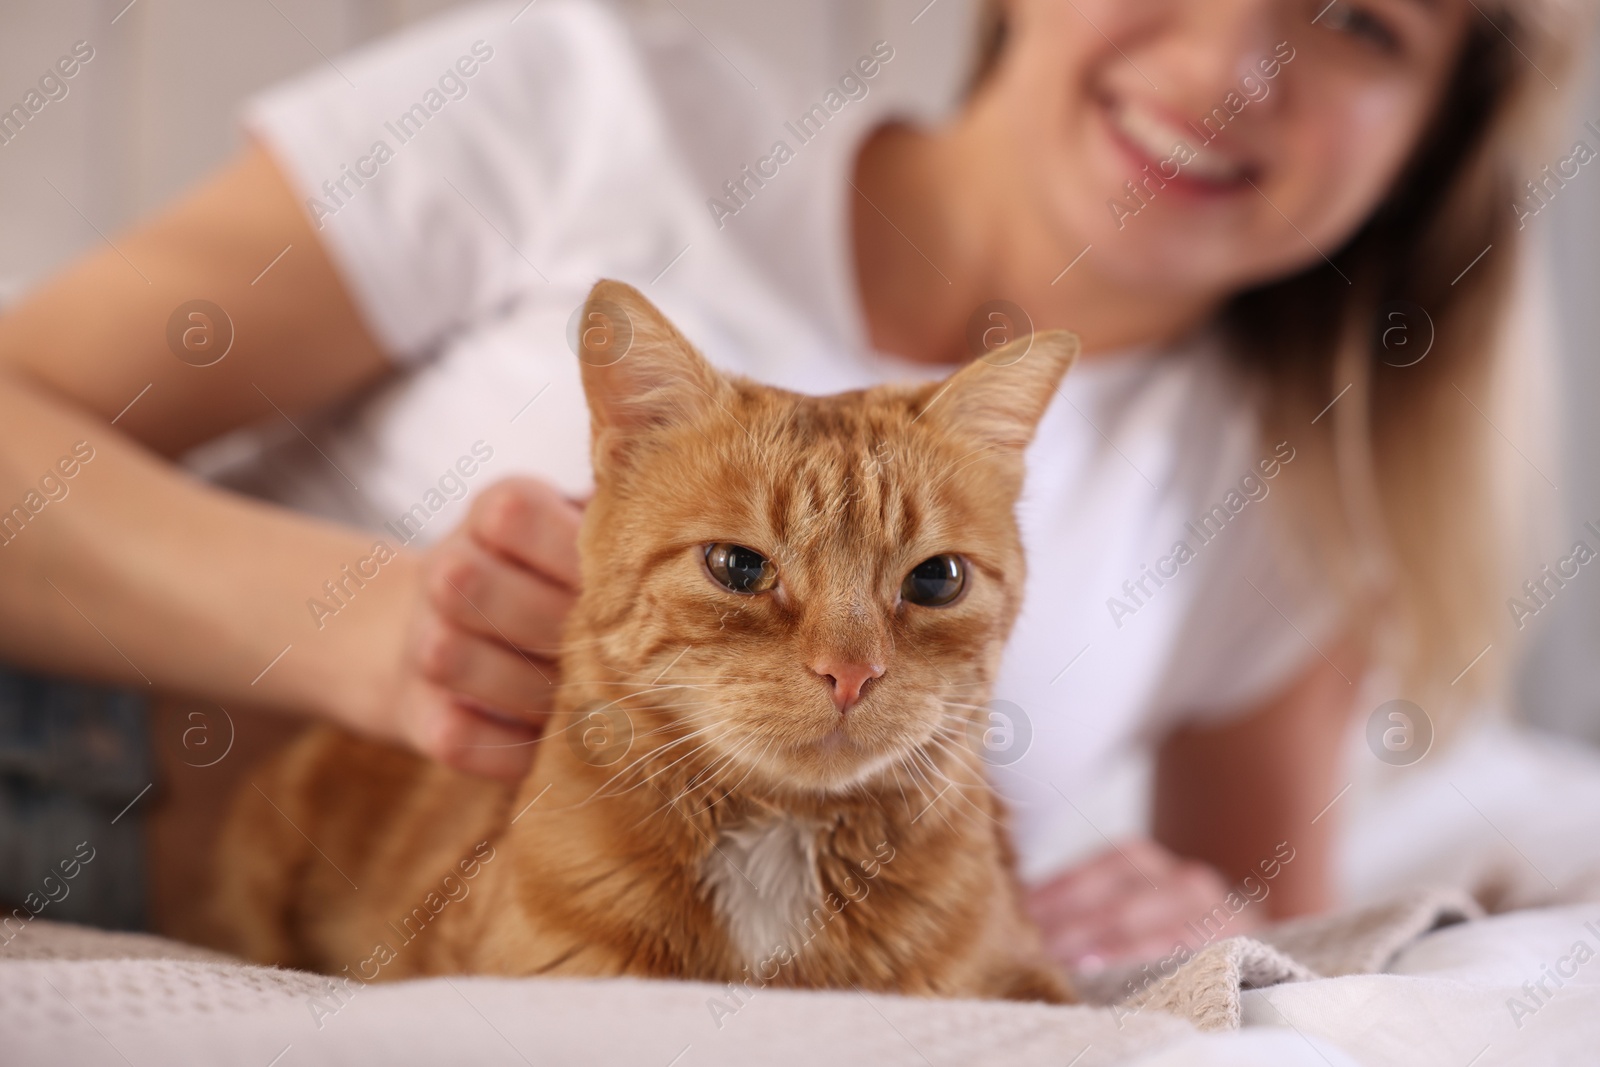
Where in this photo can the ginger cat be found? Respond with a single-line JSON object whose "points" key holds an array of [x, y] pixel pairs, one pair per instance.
{"points": [[764, 765]]}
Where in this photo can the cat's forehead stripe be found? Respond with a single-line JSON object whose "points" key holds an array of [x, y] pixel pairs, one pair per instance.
{"points": [[837, 488], [852, 471]]}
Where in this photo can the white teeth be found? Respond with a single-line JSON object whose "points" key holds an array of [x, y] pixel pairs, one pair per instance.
{"points": [[1159, 140], [1211, 167], [1151, 134]]}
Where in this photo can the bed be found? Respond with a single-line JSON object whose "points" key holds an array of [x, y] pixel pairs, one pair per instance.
{"points": [[1410, 973]]}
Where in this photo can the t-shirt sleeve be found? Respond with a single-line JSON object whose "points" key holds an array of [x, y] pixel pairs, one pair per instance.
{"points": [[432, 163], [1261, 614]]}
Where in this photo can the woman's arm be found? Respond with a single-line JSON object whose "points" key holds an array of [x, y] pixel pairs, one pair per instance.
{"points": [[96, 336], [1233, 795], [142, 575], [192, 589], [1231, 801]]}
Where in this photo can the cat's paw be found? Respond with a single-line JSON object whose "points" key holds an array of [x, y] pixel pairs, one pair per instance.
{"points": [[1038, 982]]}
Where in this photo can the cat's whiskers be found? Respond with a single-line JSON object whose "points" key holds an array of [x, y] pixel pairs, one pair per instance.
{"points": [[716, 773], [975, 684], [962, 788], [580, 725], [953, 747], [668, 725], [753, 765], [712, 723], [662, 770], [558, 731], [643, 687], [898, 784], [657, 751], [601, 794], [961, 721], [578, 721], [658, 788], [918, 779], [923, 759], [957, 730], [697, 780], [553, 651], [707, 776], [957, 727], [950, 786], [647, 690], [655, 678], [700, 773], [601, 791]]}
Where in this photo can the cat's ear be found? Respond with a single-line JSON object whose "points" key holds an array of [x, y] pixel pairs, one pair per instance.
{"points": [[639, 372], [1000, 397]]}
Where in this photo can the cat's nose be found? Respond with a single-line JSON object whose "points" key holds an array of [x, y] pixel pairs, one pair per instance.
{"points": [[846, 680]]}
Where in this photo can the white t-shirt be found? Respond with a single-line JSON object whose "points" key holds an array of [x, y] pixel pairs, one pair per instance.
{"points": [[506, 165]]}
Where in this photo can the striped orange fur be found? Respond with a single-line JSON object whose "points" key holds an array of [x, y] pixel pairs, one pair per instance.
{"points": [[700, 807]]}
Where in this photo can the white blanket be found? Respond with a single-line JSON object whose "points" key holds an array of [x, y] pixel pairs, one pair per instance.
{"points": [[1466, 994], [1456, 997]]}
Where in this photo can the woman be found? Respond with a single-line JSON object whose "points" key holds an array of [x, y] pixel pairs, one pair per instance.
{"points": [[1220, 196]]}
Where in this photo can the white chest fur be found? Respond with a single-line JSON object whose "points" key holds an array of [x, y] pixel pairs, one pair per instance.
{"points": [[762, 879]]}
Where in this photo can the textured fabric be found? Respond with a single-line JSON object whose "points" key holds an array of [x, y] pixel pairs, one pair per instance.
{"points": [[1367, 940], [1448, 999], [49, 940], [1206, 988], [182, 1011], [1460, 996]]}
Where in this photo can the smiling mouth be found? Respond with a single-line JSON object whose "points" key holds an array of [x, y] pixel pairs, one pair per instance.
{"points": [[1152, 140]]}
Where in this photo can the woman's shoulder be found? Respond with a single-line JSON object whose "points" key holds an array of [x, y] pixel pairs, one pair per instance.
{"points": [[456, 166], [544, 75], [540, 70]]}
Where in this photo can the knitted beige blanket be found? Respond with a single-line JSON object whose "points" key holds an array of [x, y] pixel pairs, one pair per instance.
{"points": [[1206, 988], [139, 991]]}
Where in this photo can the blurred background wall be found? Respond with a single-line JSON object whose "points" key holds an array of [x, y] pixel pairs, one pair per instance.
{"points": [[154, 110]]}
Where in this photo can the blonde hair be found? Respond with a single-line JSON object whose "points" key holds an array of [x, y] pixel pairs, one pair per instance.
{"points": [[1395, 499]]}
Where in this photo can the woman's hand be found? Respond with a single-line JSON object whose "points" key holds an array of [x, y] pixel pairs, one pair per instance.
{"points": [[479, 667], [1130, 903], [194, 590]]}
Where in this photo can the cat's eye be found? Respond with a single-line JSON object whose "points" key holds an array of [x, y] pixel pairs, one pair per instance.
{"points": [[740, 569], [935, 581]]}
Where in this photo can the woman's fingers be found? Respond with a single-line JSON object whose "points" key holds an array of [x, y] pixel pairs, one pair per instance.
{"points": [[484, 594], [485, 671], [1147, 913], [1108, 876], [529, 523], [468, 740], [479, 675], [1134, 903]]}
